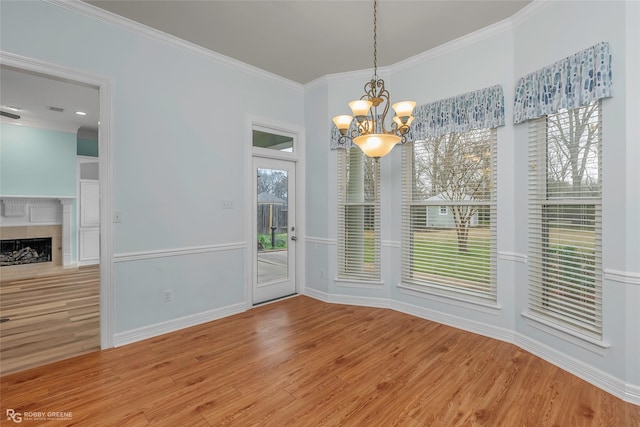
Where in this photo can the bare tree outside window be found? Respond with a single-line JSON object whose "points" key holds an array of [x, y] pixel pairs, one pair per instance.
{"points": [[274, 182], [565, 217], [573, 152], [449, 209], [456, 168]]}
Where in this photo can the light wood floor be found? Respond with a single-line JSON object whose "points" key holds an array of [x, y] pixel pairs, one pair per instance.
{"points": [[52, 316], [301, 362]]}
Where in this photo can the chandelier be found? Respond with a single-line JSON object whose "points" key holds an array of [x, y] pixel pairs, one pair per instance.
{"points": [[371, 134]]}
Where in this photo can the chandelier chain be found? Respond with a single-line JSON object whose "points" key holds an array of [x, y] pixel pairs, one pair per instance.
{"points": [[375, 39]]}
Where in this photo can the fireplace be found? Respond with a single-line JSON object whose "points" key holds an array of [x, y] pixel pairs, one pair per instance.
{"points": [[32, 217], [25, 251]]}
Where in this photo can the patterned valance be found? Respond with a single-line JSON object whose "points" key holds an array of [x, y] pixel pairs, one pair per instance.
{"points": [[569, 83], [481, 109]]}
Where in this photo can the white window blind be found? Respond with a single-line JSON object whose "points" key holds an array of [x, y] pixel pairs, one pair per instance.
{"points": [[565, 218], [449, 214], [358, 216]]}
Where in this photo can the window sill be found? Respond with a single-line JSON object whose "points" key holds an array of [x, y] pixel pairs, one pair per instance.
{"points": [[358, 283], [455, 300], [574, 337]]}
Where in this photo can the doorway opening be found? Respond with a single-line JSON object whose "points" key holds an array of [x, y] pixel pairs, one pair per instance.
{"points": [[64, 310]]}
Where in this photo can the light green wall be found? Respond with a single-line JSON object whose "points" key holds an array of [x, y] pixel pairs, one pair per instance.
{"points": [[37, 161]]}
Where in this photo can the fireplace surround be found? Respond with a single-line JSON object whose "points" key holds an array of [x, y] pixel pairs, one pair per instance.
{"points": [[35, 217]]}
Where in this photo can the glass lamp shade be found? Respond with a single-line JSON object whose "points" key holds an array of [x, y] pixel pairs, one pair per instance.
{"points": [[376, 145], [404, 108], [397, 120], [360, 107], [342, 122]]}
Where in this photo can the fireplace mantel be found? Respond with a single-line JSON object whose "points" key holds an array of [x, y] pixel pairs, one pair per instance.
{"points": [[40, 210]]}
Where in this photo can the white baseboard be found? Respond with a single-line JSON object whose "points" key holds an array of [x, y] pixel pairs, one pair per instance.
{"points": [[633, 394], [479, 328], [139, 334], [348, 299], [627, 392]]}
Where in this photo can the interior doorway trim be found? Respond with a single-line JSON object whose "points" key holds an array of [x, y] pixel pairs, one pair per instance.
{"points": [[105, 148]]}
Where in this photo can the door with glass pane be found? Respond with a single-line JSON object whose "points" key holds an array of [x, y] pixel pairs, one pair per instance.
{"points": [[275, 232]]}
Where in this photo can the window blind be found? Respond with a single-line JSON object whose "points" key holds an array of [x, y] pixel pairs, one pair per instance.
{"points": [[358, 216], [449, 212], [565, 265]]}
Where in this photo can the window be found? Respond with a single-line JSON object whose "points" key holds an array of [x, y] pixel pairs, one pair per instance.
{"points": [[358, 216], [272, 141], [449, 210], [565, 218]]}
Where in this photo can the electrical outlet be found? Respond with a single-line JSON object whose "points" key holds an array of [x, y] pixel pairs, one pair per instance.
{"points": [[167, 295]]}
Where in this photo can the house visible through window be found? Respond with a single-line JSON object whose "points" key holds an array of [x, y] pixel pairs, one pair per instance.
{"points": [[565, 218], [358, 216], [449, 210]]}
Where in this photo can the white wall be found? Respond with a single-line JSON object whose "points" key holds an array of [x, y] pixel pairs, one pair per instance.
{"points": [[318, 193], [541, 34], [179, 122]]}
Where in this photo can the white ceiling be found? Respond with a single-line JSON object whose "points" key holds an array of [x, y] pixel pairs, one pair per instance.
{"points": [[33, 93], [304, 39]]}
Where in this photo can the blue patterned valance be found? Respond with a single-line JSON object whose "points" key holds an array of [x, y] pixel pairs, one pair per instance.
{"points": [[481, 109], [570, 83]]}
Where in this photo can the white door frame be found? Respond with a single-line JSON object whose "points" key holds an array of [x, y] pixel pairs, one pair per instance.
{"points": [[281, 287], [105, 148], [297, 156]]}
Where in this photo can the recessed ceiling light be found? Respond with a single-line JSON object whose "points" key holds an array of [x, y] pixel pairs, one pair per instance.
{"points": [[81, 113]]}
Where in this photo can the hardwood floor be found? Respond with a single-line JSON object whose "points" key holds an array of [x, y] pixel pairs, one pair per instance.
{"points": [[52, 316], [302, 362]]}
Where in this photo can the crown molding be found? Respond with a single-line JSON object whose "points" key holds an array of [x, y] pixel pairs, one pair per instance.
{"points": [[523, 14], [104, 16], [461, 42], [365, 74], [498, 28]]}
